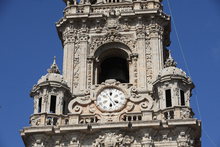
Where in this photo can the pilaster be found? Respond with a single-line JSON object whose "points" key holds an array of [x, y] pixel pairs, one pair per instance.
{"points": [[83, 61], [141, 48], [70, 56], [155, 36]]}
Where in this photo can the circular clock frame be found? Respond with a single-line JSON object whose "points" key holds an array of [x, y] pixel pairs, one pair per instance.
{"points": [[111, 99]]}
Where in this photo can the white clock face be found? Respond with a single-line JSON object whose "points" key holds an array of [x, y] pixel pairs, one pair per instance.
{"points": [[111, 99]]}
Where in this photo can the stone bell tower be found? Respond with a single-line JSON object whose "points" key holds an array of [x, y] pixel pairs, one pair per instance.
{"points": [[120, 85]]}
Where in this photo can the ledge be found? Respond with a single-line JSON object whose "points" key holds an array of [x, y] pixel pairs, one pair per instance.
{"points": [[113, 125], [178, 122], [28, 130]]}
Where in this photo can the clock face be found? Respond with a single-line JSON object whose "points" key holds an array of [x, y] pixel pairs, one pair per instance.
{"points": [[111, 99]]}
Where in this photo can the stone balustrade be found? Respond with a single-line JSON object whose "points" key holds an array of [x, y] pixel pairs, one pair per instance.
{"points": [[104, 9], [132, 117], [177, 112], [43, 119], [88, 119]]}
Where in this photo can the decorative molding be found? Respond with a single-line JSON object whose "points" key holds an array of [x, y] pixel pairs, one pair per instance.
{"points": [[113, 140], [148, 55], [76, 65], [111, 36]]}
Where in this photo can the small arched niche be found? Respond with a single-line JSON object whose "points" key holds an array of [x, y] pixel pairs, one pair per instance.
{"points": [[113, 64]]}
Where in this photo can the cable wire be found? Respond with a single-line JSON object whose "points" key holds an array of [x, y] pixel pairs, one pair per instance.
{"points": [[187, 68]]}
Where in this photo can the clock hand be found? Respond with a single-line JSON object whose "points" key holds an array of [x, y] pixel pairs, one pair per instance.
{"points": [[111, 99]]}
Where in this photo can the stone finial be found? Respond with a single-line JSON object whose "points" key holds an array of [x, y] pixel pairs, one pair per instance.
{"points": [[170, 61], [54, 68]]}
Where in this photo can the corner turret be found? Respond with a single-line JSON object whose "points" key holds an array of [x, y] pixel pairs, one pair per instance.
{"points": [[51, 96], [172, 91]]}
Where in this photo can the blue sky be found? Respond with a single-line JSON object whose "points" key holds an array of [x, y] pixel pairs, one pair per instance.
{"points": [[28, 42]]}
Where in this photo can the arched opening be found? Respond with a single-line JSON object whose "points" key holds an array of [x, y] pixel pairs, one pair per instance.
{"points": [[93, 1], [112, 63], [114, 68]]}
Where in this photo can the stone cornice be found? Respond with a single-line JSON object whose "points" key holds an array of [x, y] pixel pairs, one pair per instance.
{"points": [[192, 122], [48, 84], [174, 77]]}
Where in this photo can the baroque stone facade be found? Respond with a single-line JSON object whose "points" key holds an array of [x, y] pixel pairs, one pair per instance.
{"points": [[120, 85]]}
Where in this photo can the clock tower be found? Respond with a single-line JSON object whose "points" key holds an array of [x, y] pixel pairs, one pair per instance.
{"points": [[119, 86]]}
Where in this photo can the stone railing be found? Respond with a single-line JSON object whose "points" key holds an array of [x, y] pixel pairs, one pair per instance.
{"points": [[168, 114], [105, 8], [151, 5], [43, 119], [176, 112], [132, 117], [73, 10], [86, 119], [117, 8]]}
